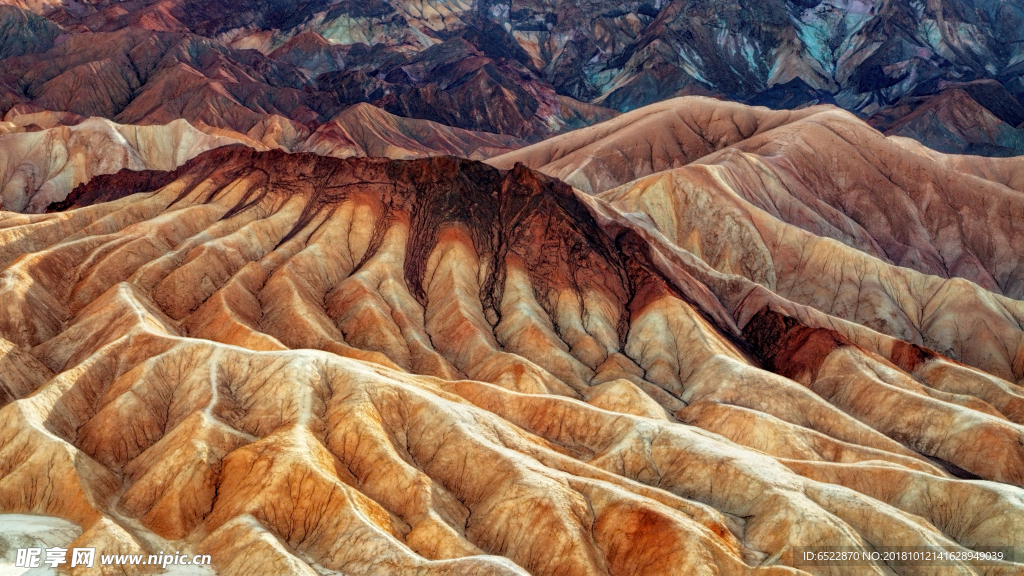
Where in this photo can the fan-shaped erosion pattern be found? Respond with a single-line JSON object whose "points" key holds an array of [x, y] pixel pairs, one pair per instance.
{"points": [[434, 366]]}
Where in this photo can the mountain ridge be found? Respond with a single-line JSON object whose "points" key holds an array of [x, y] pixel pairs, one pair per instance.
{"points": [[538, 66], [353, 325], [443, 287]]}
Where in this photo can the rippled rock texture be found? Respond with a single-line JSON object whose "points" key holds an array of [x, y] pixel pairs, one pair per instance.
{"points": [[526, 69], [39, 166], [820, 169], [293, 362], [144, 73]]}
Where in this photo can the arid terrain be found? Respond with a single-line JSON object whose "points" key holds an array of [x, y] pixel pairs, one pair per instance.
{"points": [[546, 288], [949, 73], [298, 363]]}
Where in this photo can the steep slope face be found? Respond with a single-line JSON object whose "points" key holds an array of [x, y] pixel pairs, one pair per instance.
{"points": [[866, 54], [275, 132], [24, 32], [835, 177], [979, 118], [654, 138], [819, 169], [41, 166], [433, 366], [141, 76], [37, 168], [457, 84], [312, 53], [365, 130], [863, 55], [527, 70], [703, 210]]}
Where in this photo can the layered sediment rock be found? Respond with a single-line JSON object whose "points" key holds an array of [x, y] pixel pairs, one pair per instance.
{"points": [[38, 168], [980, 118], [819, 169], [530, 70], [41, 166], [436, 366], [365, 130]]}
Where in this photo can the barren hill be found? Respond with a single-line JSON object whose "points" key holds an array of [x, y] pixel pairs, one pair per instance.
{"points": [[293, 362], [820, 169], [529, 70], [41, 166], [37, 168], [651, 139], [365, 130]]}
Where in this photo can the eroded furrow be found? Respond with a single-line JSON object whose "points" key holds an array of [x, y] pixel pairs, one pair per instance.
{"points": [[433, 367]]}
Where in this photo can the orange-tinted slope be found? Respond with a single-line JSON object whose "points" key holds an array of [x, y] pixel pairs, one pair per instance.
{"points": [[37, 168], [293, 362], [819, 169], [41, 166], [365, 130], [658, 137]]}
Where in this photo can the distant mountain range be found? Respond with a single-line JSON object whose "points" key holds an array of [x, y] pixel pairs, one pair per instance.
{"points": [[523, 69]]}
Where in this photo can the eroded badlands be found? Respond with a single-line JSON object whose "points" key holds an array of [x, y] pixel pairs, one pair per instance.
{"points": [[293, 362]]}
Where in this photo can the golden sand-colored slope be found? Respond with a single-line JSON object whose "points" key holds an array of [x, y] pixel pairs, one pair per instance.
{"points": [[40, 167], [819, 169], [435, 367], [37, 168], [651, 139], [365, 130]]}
